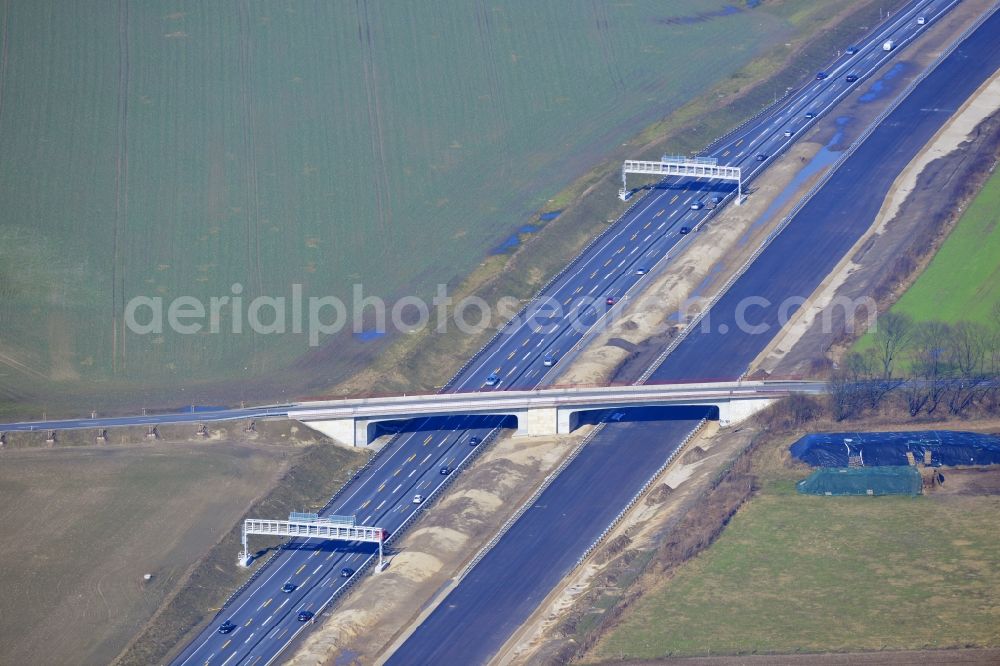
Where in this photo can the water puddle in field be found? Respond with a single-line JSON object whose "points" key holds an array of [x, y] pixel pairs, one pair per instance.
{"points": [[369, 336], [826, 156], [551, 215], [884, 84], [515, 239]]}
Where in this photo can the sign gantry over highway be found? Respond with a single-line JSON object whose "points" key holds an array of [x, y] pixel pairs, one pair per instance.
{"points": [[677, 165], [311, 526]]}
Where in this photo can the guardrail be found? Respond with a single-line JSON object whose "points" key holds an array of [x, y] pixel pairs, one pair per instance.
{"points": [[812, 193], [572, 263], [670, 348], [409, 406], [529, 502], [635, 498]]}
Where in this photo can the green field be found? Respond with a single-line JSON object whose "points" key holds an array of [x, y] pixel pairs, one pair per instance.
{"points": [[169, 149], [960, 283], [813, 574]]}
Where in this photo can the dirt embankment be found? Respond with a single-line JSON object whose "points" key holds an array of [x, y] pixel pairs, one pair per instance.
{"points": [[922, 207], [678, 292], [207, 578], [683, 514], [88, 519], [427, 560]]}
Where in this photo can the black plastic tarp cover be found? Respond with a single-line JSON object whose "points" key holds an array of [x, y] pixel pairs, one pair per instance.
{"points": [[947, 447]]}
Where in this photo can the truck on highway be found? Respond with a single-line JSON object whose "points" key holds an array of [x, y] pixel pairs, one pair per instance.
{"points": [[888, 44]]}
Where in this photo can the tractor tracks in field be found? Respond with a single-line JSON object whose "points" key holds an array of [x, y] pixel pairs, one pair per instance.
{"points": [[256, 287], [497, 101], [600, 12], [381, 175], [3, 52], [121, 196]]}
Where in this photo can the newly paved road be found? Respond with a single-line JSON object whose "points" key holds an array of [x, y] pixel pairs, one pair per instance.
{"points": [[492, 601], [478, 616], [832, 222], [383, 494]]}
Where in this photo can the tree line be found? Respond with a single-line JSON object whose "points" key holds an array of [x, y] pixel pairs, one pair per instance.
{"points": [[929, 368]]}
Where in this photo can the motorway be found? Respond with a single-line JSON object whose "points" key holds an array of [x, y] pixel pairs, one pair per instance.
{"points": [[382, 495], [474, 621]]}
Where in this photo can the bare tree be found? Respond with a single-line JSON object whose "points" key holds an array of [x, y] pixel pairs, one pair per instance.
{"points": [[892, 334], [846, 386], [928, 365], [967, 346]]}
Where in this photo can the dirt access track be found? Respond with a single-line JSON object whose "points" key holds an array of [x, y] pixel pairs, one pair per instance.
{"points": [[84, 524]]}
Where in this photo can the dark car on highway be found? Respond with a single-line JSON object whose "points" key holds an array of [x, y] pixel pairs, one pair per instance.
{"points": [[810, 115], [445, 471], [227, 627], [473, 441], [852, 50], [685, 230], [346, 572], [288, 587], [761, 157], [851, 78], [821, 75], [304, 616]]}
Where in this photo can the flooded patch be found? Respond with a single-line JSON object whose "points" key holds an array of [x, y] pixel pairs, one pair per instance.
{"points": [[825, 158], [369, 336], [884, 84], [515, 239]]}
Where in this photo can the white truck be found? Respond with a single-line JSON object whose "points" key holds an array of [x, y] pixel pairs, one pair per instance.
{"points": [[887, 45]]}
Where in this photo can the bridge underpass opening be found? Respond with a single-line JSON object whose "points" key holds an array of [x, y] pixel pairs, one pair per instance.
{"points": [[654, 413], [452, 422]]}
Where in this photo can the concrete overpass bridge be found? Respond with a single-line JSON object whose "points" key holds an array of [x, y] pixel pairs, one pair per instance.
{"points": [[552, 411]]}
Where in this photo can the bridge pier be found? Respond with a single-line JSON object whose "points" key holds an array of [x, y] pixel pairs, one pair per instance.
{"points": [[732, 412], [350, 431]]}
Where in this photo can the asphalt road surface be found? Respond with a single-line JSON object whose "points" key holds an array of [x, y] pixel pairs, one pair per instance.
{"points": [[266, 618], [478, 616]]}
